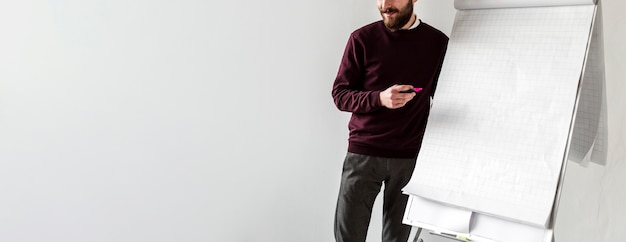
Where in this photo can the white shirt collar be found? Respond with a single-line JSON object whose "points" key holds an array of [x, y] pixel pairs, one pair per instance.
{"points": [[416, 23]]}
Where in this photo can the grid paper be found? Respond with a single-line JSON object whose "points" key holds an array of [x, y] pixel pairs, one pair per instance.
{"points": [[590, 129], [501, 116]]}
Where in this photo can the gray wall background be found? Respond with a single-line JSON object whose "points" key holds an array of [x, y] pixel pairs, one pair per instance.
{"points": [[207, 121]]}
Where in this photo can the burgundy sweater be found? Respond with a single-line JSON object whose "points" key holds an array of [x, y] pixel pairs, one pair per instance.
{"points": [[374, 59]]}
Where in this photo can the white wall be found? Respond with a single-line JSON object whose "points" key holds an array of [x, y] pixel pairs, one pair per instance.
{"points": [[201, 121], [170, 120]]}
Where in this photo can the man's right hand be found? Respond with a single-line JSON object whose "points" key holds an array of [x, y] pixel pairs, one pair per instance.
{"points": [[392, 98]]}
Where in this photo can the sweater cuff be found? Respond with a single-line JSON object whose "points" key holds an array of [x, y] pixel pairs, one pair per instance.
{"points": [[375, 100]]}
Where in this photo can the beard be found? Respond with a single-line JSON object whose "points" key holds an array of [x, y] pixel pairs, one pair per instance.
{"points": [[402, 16]]}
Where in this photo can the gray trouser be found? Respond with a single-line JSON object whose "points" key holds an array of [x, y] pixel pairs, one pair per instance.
{"points": [[361, 182]]}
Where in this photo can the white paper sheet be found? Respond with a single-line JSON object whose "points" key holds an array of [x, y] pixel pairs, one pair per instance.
{"points": [[442, 218], [507, 231], [423, 211], [590, 128], [483, 4], [501, 117]]}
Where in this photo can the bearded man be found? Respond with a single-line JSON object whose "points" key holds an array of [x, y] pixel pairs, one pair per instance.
{"points": [[384, 65]]}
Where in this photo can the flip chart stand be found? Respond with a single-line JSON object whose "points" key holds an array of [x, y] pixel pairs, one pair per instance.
{"points": [[517, 90]]}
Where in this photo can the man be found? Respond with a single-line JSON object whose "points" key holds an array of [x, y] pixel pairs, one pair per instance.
{"points": [[381, 60]]}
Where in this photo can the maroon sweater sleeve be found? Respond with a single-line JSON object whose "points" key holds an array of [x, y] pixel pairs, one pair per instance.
{"points": [[348, 92]]}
